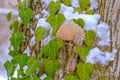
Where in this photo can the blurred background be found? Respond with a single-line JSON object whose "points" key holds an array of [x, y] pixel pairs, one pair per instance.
{"points": [[6, 6]]}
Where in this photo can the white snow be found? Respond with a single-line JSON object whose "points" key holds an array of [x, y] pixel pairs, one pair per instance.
{"points": [[97, 56], [43, 76], [103, 32], [25, 68], [32, 41], [75, 3], [19, 19], [94, 4], [42, 23], [27, 51], [7, 10], [65, 8], [16, 71], [45, 13], [46, 2], [46, 40], [37, 16], [31, 31], [91, 23]]}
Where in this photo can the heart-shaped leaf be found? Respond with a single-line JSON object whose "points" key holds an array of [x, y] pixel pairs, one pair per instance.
{"points": [[71, 77], [14, 26], [25, 15], [10, 67], [8, 16], [84, 70], [21, 59], [66, 2], [54, 6], [84, 4], [90, 36], [55, 21], [48, 78], [32, 65], [83, 52], [79, 21], [16, 39], [51, 66], [51, 53], [39, 33]]}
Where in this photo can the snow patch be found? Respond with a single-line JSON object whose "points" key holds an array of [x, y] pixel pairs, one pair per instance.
{"points": [[16, 71], [97, 56], [32, 41], [19, 19], [43, 76], [37, 16], [66, 8], [46, 3], [45, 13], [94, 4], [75, 3], [25, 68], [103, 32], [90, 20], [27, 51], [42, 23]]}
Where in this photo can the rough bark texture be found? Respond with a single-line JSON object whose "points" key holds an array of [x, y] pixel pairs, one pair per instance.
{"points": [[34, 50], [110, 13]]}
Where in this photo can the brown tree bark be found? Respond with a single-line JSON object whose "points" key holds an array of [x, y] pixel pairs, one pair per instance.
{"points": [[110, 13]]}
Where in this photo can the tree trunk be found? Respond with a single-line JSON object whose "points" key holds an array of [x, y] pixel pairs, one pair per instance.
{"points": [[110, 13]]}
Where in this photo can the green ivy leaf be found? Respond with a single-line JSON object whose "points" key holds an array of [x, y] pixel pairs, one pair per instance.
{"points": [[22, 4], [48, 78], [78, 9], [54, 6], [71, 77], [13, 53], [14, 26], [51, 49], [83, 52], [39, 33], [15, 79], [84, 4], [66, 2], [89, 12], [51, 66], [10, 67], [84, 70], [16, 39], [21, 59], [55, 21], [79, 21], [25, 15], [20, 72], [8, 16], [90, 36], [32, 65], [34, 77]]}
